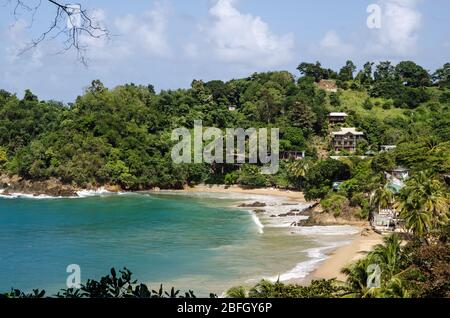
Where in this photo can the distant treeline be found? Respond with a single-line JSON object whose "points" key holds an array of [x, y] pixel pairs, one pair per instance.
{"points": [[121, 136]]}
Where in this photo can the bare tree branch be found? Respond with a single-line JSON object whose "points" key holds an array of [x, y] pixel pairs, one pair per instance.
{"points": [[70, 21]]}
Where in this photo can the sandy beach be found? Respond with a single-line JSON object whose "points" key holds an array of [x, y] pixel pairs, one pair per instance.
{"points": [[345, 255], [291, 195], [361, 244]]}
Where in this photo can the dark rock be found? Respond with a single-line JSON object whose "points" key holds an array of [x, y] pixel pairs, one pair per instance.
{"points": [[51, 187], [259, 211], [291, 213], [253, 205]]}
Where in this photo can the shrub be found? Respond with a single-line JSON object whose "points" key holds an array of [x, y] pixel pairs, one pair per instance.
{"points": [[231, 178], [367, 104], [388, 105], [250, 176], [335, 204], [266, 289], [320, 177]]}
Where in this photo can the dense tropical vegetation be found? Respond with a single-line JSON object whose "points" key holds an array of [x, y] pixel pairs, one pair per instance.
{"points": [[122, 137]]}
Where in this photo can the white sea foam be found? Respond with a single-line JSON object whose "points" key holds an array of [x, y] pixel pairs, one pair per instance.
{"points": [[257, 222], [332, 230], [276, 206], [317, 255], [79, 194], [93, 193], [26, 196]]}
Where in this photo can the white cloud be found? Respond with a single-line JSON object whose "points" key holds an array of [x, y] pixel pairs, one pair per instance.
{"points": [[19, 50], [237, 37], [332, 45], [144, 34], [148, 31], [400, 24]]}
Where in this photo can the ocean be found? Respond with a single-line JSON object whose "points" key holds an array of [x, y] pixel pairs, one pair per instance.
{"points": [[193, 241]]}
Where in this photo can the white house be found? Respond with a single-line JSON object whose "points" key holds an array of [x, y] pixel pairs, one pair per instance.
{"points": [[346, 139]]}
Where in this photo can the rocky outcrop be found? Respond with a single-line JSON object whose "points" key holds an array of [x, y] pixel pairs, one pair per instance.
{"points": [[318, 217], [252, 205], [51, 187], [291, 213]]}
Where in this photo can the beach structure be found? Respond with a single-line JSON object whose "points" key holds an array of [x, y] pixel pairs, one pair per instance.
{"points": [[336, 118], [385, 148], [387, 220], [400, 173], [346, 139], [396, 178], [295, 155]]}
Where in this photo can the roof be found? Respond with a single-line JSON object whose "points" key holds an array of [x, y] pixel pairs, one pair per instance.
{"points": [[345, 131], [338, 115], [394, 187]]}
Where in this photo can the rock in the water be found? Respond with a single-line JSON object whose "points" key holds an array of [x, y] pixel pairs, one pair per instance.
{"points": [[290, 213], [259, 211], [253, 205]]}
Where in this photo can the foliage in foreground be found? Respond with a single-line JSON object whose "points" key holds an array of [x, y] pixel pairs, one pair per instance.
{"points": [[417, 269], [111, 286], [413, 270], [266, 289]]}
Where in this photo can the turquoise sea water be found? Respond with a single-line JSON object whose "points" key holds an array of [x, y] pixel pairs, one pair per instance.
{"points": [[191, 242]]}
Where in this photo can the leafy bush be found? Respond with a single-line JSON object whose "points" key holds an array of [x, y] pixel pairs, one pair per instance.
{"points": [[267, 289], [113, 285], [320, 177], [231, 178], [335, 204], [250, 176]]}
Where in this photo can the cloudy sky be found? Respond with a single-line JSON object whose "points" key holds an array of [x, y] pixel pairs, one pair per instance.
{"points": [[167, 43]]}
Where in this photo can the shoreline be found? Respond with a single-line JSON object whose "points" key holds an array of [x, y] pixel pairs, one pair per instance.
{"points": [[330, 267], [296, 196], [343, 256], [361, 243]]}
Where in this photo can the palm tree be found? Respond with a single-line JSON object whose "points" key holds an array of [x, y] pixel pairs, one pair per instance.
{"points": [[237, 292], [396, 287], [417, 220], [299, 168], [382, 198], [423, 204], [356, 282], [391, 260], [388, 256], [435, 201]]}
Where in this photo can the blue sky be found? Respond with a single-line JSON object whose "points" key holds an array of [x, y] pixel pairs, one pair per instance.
{"points": [[167, 43]]}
